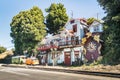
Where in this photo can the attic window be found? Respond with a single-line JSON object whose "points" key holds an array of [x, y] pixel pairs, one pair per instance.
{"points": [[72, 21], [75, 28], [96, 28]]}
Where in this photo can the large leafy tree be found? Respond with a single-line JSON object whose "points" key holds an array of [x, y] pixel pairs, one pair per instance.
{"points": [[2, 49], [56, 18], [111, 34], [27, 29]]}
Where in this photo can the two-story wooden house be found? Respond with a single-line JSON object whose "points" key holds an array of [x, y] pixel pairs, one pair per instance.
{"points": [[67, 47]]}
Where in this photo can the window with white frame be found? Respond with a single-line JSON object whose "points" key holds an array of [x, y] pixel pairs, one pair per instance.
{"points": [[96, 28]]}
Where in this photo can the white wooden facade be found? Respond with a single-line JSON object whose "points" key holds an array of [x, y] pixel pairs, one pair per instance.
{"points": [[69, 55], [96, 27]]}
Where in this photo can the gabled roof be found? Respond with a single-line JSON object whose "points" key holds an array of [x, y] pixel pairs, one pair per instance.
{"points": [[95, 23], [82, 21]]}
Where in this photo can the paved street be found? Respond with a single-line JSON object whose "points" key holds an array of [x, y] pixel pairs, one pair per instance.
{"points": [[7, 73]]}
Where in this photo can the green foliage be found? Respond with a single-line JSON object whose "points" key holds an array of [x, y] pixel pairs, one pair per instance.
{"points": [[56, 18], [2, 49], [27, 29], [111, 35]]}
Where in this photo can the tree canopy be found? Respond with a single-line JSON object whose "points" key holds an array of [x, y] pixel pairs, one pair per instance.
{"points": [[27, 29], [2, 49], [111, 35], [56, 18]]}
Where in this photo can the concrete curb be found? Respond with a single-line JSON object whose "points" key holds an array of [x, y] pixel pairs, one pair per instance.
{"points": [[67, 70]]}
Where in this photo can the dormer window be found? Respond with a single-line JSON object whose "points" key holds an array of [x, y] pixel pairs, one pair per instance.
{"points": [[75, 28], [96, 28]]}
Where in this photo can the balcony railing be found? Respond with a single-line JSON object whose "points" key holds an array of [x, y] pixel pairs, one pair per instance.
{"points": [[47, 47], [59, 44], [70, 42]]}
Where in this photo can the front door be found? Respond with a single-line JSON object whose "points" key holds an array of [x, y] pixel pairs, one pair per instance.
{"points": [[67, 58], [76, 57]]}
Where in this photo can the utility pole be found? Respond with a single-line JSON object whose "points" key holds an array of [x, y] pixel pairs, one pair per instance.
{"points": [[97, 15], [71, 14]]}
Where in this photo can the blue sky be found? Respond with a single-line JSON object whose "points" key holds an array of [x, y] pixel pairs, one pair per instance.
{"points": [[10, 8]]}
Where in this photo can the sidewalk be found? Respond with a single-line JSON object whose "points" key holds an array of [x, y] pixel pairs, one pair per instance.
{"points": [[97, 68]]}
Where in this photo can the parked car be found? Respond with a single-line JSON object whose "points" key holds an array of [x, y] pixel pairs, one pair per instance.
{"points": [[28, 61], [35, 61], [32, 61], [19, 59]]}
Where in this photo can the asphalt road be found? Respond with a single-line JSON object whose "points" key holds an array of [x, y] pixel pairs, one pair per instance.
{"points": [[7, 73]]}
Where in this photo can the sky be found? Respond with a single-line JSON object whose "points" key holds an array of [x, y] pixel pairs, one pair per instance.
{"points": [[10, 8]]}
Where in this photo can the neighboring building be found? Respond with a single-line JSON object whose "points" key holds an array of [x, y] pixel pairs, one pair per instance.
{"points": [[96, 26], [69, 47]]}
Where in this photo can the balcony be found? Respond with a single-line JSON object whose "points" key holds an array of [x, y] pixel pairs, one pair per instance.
{"points": [[46, 47], [62, 44], [69, 43]]}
